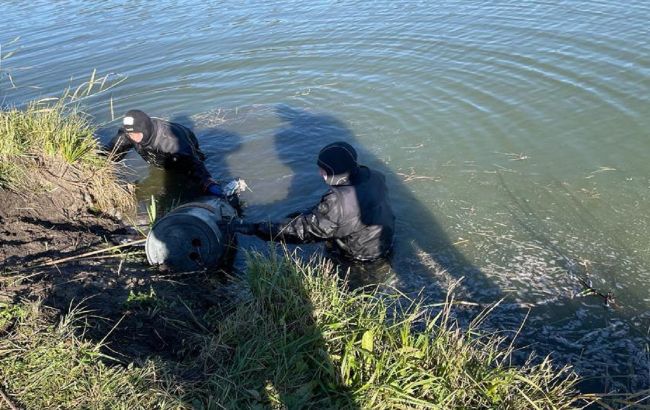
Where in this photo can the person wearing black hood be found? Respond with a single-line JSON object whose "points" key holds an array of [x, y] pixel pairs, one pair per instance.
{"points": [[354, 215], [165, 145]]}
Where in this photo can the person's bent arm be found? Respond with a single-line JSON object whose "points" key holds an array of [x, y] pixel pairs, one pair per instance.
{"points": [[117, 148], [319, 224], [200, 175]]}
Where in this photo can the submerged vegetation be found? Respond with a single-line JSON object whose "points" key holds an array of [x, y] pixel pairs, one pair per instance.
{"points": [[299, 340]]}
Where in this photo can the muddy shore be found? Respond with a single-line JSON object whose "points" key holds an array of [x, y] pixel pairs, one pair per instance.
{"points": [[136, 309]]}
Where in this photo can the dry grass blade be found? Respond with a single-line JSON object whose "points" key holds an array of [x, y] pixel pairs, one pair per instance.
{"points": [[7, 400], [412, 176], [83, 255]]}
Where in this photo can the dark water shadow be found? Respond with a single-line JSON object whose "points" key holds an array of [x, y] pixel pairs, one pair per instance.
{"points": [[424, 257]]}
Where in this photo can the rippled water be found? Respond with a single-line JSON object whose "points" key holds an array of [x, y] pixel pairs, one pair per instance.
{"points": [[513, 134]]}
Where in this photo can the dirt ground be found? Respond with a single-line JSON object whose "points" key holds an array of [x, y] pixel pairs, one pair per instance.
{"points": [[137, 310]]}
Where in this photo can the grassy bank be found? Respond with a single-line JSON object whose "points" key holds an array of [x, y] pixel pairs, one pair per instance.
{"points": [[298, 340], [48, 146]]}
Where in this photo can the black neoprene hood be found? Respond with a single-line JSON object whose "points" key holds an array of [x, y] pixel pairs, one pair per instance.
{"points": [[138, 121], [339, 161]]}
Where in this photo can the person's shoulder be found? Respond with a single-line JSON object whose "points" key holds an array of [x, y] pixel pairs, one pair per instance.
{"points": [[159, 121], [329, 200], [178, 130], [166, 123], [371, 177], [333, 194], [185, 130], [375, 173], [181, 126], [159, 125]]}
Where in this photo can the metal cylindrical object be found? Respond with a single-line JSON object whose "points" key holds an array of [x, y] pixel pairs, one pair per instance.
{"points": [[189, 238]]}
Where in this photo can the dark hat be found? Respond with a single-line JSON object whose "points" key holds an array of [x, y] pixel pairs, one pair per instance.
{"points": [[339, 161], [137, 121]]}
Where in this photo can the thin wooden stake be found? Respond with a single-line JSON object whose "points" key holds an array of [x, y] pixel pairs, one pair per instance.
{"points": [[83, 255]]}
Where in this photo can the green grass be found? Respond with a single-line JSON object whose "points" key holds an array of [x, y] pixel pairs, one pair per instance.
{"points": [[53, 137], [303, 340], [52, 366], [144, 300], [9, 313], [47, 129], [299, 340]]}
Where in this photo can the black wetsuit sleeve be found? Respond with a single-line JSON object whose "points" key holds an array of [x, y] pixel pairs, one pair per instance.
{"points": [[117, 148], [320, 223], [200, 174]]}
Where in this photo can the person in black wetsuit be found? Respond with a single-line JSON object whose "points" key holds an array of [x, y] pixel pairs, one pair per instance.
{"points": [[165, 145], [354, 215]]}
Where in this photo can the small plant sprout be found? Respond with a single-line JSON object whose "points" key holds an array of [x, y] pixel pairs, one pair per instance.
{"points": [[152, 212]]}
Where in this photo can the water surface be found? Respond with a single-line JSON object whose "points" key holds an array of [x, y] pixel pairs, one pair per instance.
{"points": [[513, 135]]}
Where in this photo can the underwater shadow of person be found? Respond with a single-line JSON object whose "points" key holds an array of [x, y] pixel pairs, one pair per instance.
{"points": [[423, 257]]}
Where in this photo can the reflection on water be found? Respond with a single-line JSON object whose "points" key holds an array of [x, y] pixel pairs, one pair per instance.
{"points": [[513, 136]]}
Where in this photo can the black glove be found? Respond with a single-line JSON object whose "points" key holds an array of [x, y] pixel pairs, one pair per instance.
{"points": [[244, 228], [215, 190], [263, 231]]}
